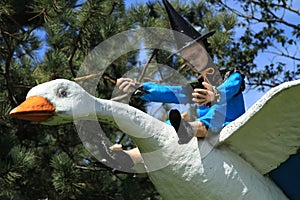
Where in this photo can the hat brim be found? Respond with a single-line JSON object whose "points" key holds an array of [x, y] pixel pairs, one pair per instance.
{"points": [[202, 37]]}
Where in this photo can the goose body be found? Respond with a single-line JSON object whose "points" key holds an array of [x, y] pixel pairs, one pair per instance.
{"points": [[234, 169]]}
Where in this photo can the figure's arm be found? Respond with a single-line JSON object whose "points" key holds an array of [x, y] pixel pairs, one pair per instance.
{"points": [[156, 92], [166, 94], [216, 117], [230, 87]]}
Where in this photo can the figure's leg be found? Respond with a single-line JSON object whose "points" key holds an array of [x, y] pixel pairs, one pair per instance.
{"points": [[197, 127], [134, 153], [186, 130]]}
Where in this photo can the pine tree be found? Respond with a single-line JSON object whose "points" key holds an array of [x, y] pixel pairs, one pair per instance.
{"points": [[42, 40], [40, 162]]}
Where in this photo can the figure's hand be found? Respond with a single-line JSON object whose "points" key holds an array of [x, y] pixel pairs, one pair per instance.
{"points": [[203, 96], [126, 85]]}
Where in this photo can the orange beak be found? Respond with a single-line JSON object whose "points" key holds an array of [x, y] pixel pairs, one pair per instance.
{"points": [[34, 108]]}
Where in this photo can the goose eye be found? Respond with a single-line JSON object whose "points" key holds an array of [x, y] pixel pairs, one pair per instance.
{"points": [[62, 92]]}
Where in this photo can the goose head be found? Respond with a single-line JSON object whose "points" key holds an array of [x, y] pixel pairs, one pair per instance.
{"points": [[55, 102], [62, 101]]}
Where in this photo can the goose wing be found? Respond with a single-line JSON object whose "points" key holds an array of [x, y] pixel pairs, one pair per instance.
{"points": [[269, 132]]}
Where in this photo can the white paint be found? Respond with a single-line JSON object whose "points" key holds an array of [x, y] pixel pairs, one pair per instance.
{"points": [[223, 174], [269, 132]]}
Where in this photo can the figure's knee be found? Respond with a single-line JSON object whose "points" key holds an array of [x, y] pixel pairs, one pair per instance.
{"points": [[134, 153], [199, 128]]}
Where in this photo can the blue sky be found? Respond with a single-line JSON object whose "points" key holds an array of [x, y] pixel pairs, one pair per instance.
{"points": [[251, 96]]}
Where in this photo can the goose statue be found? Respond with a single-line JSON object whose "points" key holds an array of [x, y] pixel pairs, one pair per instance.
{"points": [[237, 167]]}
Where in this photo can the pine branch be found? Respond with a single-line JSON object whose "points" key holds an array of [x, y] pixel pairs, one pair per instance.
{"points": [[13, 102], [276, 18], [146, 65], [75, 47], [93, 168], [115, 3], [252, 17], [292, 9], [284, 55], [22, 86], [71, 57], [284, 5], [77, 40], [262, 85], [86, 77], [42, 12], [16, 23]]}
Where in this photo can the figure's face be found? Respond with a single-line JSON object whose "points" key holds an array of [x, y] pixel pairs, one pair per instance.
{"points": [[196, 56]]}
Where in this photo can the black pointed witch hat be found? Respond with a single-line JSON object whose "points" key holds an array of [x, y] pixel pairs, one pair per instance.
{"points": [[178, 23]]}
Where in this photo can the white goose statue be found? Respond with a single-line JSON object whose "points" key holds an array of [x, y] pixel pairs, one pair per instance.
{"points": [[247, 149]]}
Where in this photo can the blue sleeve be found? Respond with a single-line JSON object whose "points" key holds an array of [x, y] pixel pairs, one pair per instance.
{"points": [[215, 118], [166, 94], [230, 107], [230, 87]]}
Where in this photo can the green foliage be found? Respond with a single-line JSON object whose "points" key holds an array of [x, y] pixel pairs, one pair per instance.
{"points": [[42, 40], [36, 161], [64, 175], [270, 28]]}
